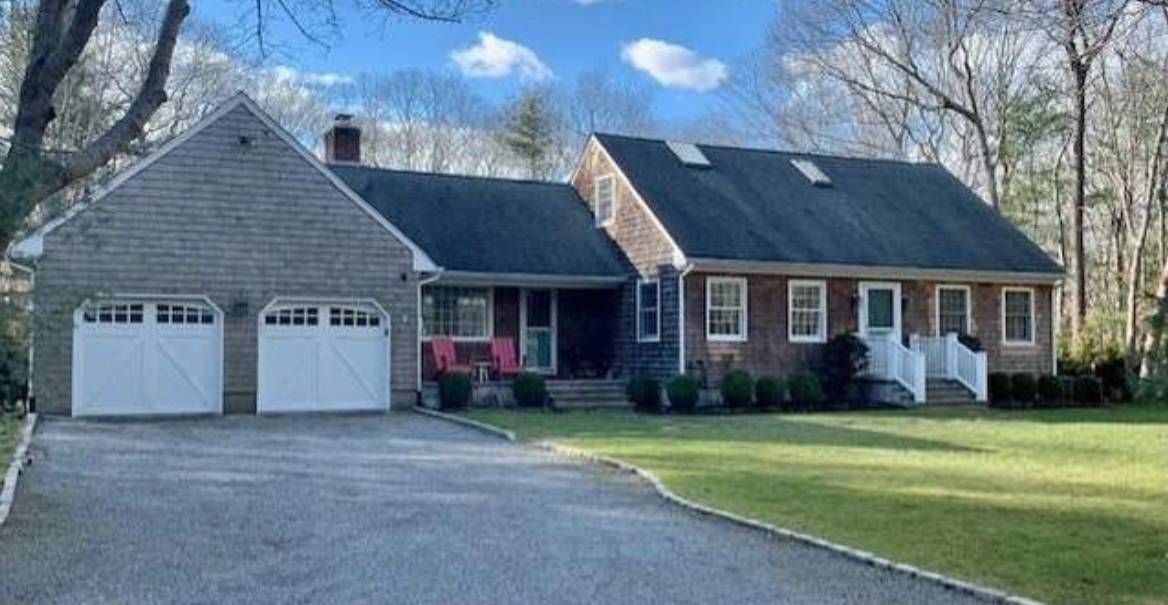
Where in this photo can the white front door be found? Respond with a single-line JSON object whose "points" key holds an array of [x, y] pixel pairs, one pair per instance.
{"points": [[880, 310], [134, 357], [323, 357], [537, 318]]}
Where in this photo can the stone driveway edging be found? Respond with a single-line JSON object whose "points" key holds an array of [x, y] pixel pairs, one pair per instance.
{"points": [[19, 457], [982, 592], [483, 427]]}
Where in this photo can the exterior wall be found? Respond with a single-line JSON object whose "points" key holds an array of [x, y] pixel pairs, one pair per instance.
{"points": [[768, 352], [240, 224], [652, 256]]}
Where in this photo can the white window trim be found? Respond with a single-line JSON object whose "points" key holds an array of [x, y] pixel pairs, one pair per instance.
{"points": [[490, 315], [1033, 318], [821, 335], [656, 337], [937, 306], [604, 222], [743, 322]]}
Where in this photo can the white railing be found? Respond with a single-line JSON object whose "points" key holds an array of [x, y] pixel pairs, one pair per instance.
{"points": [[890, 360], [947, 358]]}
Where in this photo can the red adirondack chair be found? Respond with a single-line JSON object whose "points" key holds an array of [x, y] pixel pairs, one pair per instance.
{"points": [[445, 359], [504, 361]]}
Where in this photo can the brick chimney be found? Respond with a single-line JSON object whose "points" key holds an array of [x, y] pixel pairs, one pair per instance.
{"points": [[342, 142]]}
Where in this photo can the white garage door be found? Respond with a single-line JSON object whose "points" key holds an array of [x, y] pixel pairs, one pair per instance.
{"points": [[325, 357], [147, 357]]}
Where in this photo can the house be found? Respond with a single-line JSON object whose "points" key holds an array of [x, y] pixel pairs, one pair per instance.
{"points": [[234, 271]]}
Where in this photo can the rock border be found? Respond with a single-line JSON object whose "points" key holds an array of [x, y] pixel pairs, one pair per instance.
{"points": [[19, 459], [985, 593]]}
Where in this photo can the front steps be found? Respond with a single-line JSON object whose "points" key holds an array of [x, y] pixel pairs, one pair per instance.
{"points": [[567, 394], [939, 391]]}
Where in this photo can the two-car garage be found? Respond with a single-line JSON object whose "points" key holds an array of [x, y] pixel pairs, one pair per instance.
{"points": [[144, 356]]}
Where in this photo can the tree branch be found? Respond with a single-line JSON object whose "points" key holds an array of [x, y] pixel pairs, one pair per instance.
{"points": [[149, 98]]}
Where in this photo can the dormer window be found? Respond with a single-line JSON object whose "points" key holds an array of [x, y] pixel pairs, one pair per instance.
{"points": [[604, 198]]}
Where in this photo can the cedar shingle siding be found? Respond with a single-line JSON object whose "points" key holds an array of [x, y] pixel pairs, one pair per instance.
{"points": [[241, 224], [651, 254]]}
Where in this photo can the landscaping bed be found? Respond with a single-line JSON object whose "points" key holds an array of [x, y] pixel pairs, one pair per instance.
{"points": [[1066, 506]]}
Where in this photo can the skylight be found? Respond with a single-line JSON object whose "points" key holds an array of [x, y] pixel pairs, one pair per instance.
{"points": [[688, 153], [812, 172]]}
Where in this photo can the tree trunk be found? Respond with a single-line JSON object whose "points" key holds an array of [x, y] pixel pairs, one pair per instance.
{"points": [[1078, 249]]}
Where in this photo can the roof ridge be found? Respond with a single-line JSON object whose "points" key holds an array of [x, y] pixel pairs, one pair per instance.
{"points": [[452, 175], [768, 150]]}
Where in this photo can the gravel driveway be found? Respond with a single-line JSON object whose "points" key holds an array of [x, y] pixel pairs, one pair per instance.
{"points": [[378, 509]]}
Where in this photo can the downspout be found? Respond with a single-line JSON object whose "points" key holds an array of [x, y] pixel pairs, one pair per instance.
{"points": [[1056, 304], [418, 363], [681, 318]]}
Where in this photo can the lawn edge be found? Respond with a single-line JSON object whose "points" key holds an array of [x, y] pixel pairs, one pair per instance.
{"points": [[982, 592], [482, 427], [19, 459]]}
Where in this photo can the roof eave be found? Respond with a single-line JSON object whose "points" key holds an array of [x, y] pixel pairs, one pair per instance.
{"points": [[874, 271], [540, 280]]}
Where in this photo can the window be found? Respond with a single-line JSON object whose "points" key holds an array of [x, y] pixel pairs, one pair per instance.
{"points": [[726, 309], [806, 311], [113, 313], [648, 311], [1018, 316], [183, 314], [456, 312], [605, 199], [952, 310], [293, 316], [352, 318]]}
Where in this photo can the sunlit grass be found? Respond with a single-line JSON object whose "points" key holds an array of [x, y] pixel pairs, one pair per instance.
{"points": [[1068, 506]]}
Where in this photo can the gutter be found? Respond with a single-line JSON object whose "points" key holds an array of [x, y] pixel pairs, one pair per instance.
{"points": [[875, 271], [681, 317]]}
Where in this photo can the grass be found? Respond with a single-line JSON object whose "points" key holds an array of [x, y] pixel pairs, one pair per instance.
{"points": [[1066, 506]]}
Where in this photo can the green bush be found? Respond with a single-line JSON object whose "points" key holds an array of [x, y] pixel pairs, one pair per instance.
{"points": [[768, 392], [1088, 390], [1050, 389], [454, 391], [999, 385], [530, 390], [845, 357], [1023, 389], [683, 393], [806, 391], [737, 389], [645, 393]]}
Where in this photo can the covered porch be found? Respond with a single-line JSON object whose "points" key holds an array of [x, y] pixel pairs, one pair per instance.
{"points": [[564, 329]]}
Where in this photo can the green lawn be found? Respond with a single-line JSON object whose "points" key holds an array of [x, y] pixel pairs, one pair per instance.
{"points": [[1067, 506]]}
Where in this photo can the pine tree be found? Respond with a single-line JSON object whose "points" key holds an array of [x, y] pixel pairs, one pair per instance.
{"points": [[530, 132]]}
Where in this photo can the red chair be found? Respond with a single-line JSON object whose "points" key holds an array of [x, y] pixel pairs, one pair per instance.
{"points": [[445, 359], [504, 361]]}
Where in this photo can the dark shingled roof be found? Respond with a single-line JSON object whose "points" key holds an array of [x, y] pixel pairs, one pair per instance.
{"points": [[755, 205], [490, 225]]}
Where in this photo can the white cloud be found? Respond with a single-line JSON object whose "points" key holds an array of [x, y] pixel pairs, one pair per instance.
{"points": [[309, 78], [674, 66], [495, 57]]}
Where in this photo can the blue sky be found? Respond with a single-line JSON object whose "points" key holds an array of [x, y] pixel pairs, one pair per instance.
{"points": [[681, 49]]}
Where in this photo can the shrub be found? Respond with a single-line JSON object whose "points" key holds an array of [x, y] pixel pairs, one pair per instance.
{"points": [[683, 393], [806, 392], [999, 385], [1050, 390], [530, 390], [1112, 372], [645, 393], [454, 390], [1023, 389], [737, 389], [971, 342], [768, 392], [1088, 390], [845, 357]]}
